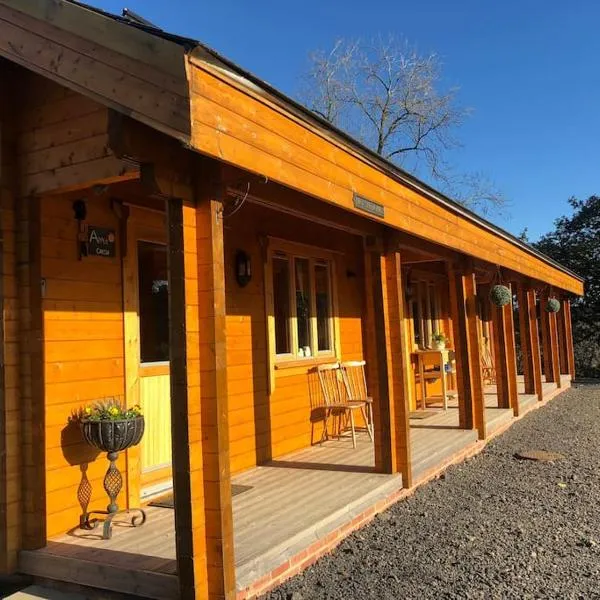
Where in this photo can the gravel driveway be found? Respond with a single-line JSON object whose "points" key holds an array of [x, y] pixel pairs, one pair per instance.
{"points": [[493, 527]]}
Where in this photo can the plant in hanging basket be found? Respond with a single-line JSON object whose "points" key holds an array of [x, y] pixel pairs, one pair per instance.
{"points": [[553, 305], [500, 295], [111, 427]]}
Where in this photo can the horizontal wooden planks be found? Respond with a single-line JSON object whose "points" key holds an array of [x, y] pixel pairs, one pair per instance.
{"points": [[263, 426], [106, 74], [83, 352], [239, 127]]}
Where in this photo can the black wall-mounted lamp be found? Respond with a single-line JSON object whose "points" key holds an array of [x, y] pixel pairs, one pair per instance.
{"points": [[243, 268]]}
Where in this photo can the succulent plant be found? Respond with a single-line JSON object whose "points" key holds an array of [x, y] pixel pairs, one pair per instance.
{"points": [[500, 295]]}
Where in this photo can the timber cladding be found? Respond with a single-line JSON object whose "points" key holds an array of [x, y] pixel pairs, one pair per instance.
{"points": [[82, 309], [241, 126], [262, 425], [11, 513]]}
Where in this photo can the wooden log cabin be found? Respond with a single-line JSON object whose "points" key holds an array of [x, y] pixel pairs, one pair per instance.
{"points": [[244, 243]]}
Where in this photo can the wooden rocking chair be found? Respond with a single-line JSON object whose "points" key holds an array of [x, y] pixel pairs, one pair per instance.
{"points": [[336, 402]]}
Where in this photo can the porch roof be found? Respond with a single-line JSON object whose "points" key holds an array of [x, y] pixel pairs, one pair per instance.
{"points": [[266, 132]]}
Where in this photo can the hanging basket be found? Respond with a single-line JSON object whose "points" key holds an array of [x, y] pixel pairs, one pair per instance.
{"points": [[500, 295], [553, 305], [113, 435]]}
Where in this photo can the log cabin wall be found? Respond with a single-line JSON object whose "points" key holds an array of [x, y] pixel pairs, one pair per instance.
{"points": [[264, 426], [83, 350], [11, 506], [75, 306]]}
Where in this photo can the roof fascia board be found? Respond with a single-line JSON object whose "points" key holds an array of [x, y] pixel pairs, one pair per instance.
{"points": [[113, 79], [203, 56], [83, 22]]}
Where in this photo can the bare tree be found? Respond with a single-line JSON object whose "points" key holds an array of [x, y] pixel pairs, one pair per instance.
{"points": [[390, 97]]}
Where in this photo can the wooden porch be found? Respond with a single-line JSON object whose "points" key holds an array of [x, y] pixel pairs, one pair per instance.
{"points": [[280, 509]]}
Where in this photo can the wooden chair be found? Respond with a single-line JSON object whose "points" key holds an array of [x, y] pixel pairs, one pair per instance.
{"points": [[336, 401], [488, 370], [355, 380]]}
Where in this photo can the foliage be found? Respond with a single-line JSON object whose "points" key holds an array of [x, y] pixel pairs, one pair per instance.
{"points": [[500, 295], [553, 305], [110, 410], [440, 337], [392, 99], [575, 243]]}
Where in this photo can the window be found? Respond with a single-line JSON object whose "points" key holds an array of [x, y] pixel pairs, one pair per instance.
{"points": [[302, 303], [153, 289], [426, 313], [282, 304], [323, 302]]}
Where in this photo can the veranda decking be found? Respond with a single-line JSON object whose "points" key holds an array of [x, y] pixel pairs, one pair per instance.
{"points": [[282, 508]]}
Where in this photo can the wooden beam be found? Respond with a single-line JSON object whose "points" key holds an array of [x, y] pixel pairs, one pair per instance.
{"points": [[566, 307], [396, 349], [31, 372], [201, 474], [525, 337], [376, 380], [500, 357], [555, 350], [530, 341], [549, 342], [562, 340], [463, 307]]}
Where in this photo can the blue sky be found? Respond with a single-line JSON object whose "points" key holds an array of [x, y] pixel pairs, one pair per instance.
{"points": [[529, 70]]}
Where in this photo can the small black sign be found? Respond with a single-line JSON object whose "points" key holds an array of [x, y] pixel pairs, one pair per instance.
{"points": [[101, 241], [369, 206]]}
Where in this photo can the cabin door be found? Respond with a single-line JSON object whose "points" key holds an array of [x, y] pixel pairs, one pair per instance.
{"points": [[147, 339]]}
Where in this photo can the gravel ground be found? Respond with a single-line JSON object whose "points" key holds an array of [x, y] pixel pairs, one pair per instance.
{"points": [[492, 527]]}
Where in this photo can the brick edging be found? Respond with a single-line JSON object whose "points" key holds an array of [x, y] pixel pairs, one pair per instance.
{"points": [[316, 550]]}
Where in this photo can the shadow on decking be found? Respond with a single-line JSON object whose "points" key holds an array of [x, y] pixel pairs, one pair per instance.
{"points": [[285, 464]]}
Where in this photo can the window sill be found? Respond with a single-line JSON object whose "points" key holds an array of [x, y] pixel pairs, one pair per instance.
{"points": [[313, 361]]}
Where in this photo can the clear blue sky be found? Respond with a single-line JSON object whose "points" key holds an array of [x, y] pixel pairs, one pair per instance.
{"points": [[530, 71]]}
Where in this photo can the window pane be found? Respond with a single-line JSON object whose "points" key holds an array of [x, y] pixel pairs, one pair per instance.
{"points": [[323, 307], [153, 302], [416, 322], [433, 309], [303, 306], [281, 303]]}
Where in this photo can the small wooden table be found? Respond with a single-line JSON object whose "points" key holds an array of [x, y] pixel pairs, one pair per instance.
{"points": [[437, 358]]}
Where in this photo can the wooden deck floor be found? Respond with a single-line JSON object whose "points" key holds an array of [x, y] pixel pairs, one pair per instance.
{"points": [[285, 507]]}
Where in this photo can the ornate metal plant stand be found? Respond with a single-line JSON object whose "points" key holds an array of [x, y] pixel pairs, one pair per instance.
{"points": [[112, 437]]}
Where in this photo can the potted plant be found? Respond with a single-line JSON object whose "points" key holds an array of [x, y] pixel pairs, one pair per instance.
{"points": [[111, 427], [439, 341], [553, 305], [500, 295]]}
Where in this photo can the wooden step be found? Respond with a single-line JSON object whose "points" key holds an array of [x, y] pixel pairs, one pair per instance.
{"points": [[146, 584]]}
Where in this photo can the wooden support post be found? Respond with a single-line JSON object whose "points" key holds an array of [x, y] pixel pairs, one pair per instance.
{"points": [[505, 357], [550, 343], [202, 485], [463, 308], [562, 340], [386, 345], [371, 275], [530, 341], [397, 373], [566, 307], [555, 350]]}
